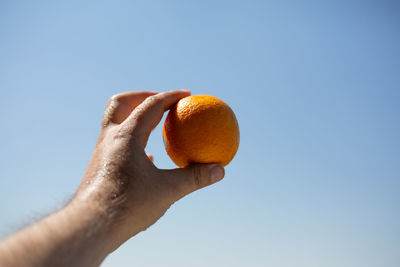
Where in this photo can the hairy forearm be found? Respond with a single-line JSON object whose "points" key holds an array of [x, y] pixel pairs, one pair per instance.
{"points": [[73, 236]]}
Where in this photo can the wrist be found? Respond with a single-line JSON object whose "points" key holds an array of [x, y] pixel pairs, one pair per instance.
{"points": [[102, 214], [93, 222]]}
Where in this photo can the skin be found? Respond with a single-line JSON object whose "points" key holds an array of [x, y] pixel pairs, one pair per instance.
{"points": [[121, 193]]}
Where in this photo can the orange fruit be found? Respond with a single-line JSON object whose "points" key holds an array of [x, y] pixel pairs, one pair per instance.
{"points": [[201, 129]]}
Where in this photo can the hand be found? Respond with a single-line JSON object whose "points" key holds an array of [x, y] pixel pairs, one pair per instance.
{"points": [[121, 181], [121, 193]]}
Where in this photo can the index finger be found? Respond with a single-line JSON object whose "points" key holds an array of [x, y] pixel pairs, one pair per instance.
{"points": [[148, 114], [119, 106]]}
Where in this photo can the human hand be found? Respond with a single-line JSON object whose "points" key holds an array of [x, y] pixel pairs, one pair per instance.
{"points": [[121, 193], [121, 182]]}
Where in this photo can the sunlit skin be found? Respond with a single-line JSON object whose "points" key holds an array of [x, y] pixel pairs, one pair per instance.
{"points": [[121, 193]]}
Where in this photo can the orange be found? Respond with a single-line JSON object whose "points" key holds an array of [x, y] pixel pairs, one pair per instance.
{"points": [[201, 129]]}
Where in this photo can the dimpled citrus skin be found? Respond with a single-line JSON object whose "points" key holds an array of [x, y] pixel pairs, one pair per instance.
{"points": [[201, 129]]}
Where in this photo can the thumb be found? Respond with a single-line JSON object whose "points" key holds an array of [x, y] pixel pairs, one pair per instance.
{"points": [[186, 180]]}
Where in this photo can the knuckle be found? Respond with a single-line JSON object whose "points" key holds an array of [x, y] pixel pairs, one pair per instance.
{"points": [[111, 105], [148, 104], [197, 175], [112, 100], [139, 114], [154, 100], [140, 110], [115, 97]]}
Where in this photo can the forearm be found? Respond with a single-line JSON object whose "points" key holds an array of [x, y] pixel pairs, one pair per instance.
{"points": [[73, 236]]}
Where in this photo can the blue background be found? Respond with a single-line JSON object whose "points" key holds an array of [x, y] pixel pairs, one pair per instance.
{"points": [[314, 85]]}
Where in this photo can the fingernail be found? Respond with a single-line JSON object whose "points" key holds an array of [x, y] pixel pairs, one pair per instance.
{"points": [[217, 173]]}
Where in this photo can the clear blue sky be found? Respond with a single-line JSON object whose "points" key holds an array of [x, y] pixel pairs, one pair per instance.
{"points": [[314, 85]]}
